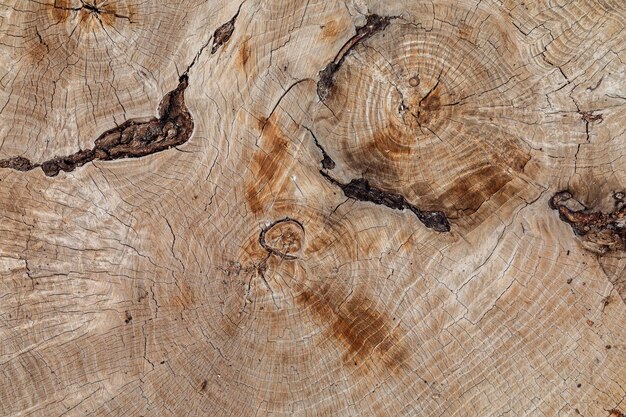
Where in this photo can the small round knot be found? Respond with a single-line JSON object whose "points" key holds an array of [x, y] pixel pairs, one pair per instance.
{"points": [[283, 238]]}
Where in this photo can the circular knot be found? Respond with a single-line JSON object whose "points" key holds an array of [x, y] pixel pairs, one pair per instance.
{"points": [[283, 238]]}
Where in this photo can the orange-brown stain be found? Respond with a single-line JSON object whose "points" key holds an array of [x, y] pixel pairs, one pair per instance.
{"points": [[60, 10], [243, 56], [266, 168], [391, 142], [364, 332], [330, 30], [428, 107], [470, 191], [465, 31], [106, 15]]}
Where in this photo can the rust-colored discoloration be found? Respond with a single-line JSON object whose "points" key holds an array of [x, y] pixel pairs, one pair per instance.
{"points": [[266, 167], [391, 142], [108, 14], [90, 14], [616, 413], [429, 106], [243, 56], [601, 232], [330, 30], [469, 192], [60, 10], [365, 332]]}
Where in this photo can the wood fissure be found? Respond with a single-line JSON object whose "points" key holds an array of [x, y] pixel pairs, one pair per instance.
{"points": [[360, 189], [134, 138], [374, 24]]}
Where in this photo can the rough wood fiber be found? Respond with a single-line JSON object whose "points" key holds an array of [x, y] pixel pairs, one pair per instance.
{"points": [[313, 208]]}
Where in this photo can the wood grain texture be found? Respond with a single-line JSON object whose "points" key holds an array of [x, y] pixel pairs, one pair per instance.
{"points": [[313, 208]]}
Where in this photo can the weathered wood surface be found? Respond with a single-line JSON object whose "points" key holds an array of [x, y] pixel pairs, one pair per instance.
{"points": [[313, 208]]}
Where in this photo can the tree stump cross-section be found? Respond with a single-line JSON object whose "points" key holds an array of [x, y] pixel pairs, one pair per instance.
{"points": [[313, 208]]}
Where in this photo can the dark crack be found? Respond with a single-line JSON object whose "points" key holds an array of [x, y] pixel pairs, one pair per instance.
{"points": [[91, 7], [374, 24], [361, 190], [224, 32], [605, 231], [135, 137], [327, 162], [132, 139]]}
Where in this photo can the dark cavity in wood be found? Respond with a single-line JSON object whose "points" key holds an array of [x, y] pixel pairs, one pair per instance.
{"points": [[374, 24], [361, 190], [132, 139], [18, 163], [607, 231], [223, 33], [327, 162]]}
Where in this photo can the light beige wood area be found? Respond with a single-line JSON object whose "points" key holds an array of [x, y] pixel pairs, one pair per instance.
{"points": [[313, 208]]}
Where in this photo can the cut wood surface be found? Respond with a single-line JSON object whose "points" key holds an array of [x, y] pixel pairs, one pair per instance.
{"points": [[313, 208]]}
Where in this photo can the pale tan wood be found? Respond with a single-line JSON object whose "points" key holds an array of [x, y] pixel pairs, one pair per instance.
{"points": [[300, 208]]}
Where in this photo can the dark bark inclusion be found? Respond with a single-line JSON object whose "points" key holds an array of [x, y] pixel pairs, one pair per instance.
{"points": [[224, 32], [360, 188], [135, 137], [132, 139], [374, 24], [606, 231]]}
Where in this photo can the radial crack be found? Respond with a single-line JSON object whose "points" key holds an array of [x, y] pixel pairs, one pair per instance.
{"points": [[361, 190], [132, 139], [224, 32], [327, 162], [374, 24]]}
